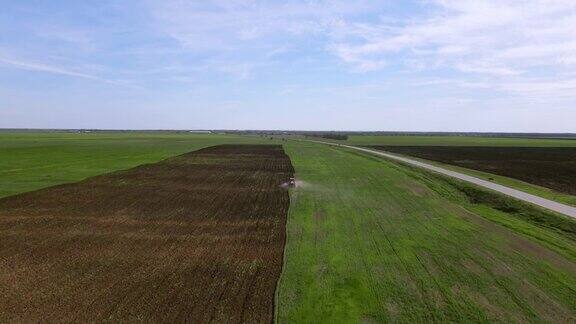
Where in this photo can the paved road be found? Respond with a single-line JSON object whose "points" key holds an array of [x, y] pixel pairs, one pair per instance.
{"points": [[521, 195]]}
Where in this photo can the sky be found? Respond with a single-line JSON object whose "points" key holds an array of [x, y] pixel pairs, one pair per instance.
{"points": [[381, 65]]}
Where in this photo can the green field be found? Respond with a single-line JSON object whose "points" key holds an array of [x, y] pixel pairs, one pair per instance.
{"points": [[478, 141], [458, 141], [509, 182], [30, 161], [370, 241], [367, 240]]}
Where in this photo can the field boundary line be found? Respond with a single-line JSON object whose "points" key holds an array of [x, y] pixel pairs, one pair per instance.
{"points": [[557, 207]]}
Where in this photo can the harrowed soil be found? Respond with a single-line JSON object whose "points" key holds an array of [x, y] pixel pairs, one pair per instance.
{"points": [[198, 237]]}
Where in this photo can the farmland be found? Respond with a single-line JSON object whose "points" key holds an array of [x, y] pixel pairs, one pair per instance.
{"points": [[33, 160], [127, 236], [550, 167], [397, 142], [372, 241], [421, 140], [198, 237]]}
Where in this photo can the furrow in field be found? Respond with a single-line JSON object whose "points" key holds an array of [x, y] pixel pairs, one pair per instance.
{"points": [[198, 237]]}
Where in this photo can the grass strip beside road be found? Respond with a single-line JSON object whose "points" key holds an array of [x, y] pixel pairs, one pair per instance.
{"points": [[499, 179], [509, 182]]}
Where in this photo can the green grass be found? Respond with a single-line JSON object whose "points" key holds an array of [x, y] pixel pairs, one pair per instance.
{"points": [[509, 182], [34, 160], [523, 186], [458, 141], [373, 241], [559, 232], [478, 141]]}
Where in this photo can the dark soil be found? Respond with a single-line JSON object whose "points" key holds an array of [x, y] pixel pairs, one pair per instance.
{"points": [[195, 238], [550, 167]]}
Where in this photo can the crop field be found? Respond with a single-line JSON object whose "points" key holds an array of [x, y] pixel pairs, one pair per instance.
{"points": [[197, 237], [550, 167], [213, 235], [34, 160], [418, 140], [371, 241]]}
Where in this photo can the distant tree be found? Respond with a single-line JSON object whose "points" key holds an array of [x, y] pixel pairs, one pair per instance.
{"points": [[340, 137]]}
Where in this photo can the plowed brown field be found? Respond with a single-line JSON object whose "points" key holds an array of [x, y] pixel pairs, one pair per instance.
{"points": [[550, 167], [198, 237]]}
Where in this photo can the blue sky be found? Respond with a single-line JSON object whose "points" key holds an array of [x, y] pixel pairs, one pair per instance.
{"points": [[427, 65]]}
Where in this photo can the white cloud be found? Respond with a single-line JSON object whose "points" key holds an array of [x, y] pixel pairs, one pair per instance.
{"points": [[240, 36], [501, 37], [41, 67], [542, 89], [478, 67], [58, 70], [510, 47], [227, 25]]}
